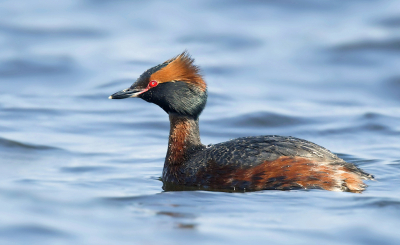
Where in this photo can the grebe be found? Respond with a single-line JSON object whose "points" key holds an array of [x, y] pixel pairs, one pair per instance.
{"points": [[249, 163]]}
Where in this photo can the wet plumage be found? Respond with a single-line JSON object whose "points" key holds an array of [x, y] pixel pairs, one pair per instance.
{"points": [[250, 163]]}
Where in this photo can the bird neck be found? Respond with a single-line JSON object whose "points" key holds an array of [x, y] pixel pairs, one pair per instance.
{"points": [[184, 139]]}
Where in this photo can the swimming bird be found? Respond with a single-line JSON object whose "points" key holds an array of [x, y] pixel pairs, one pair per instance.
{"points": [[248, 163]]}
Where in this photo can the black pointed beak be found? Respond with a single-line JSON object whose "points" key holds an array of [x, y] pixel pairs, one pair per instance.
{"points": [[127, 93]]}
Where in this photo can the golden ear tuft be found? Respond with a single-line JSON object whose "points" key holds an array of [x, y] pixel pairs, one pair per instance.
{"points": [[180, 68]]}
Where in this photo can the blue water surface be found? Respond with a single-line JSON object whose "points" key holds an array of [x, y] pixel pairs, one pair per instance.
{"points": [[77, 168]]}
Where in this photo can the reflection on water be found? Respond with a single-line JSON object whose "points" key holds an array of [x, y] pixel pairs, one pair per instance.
{"points": [[78, 168]]}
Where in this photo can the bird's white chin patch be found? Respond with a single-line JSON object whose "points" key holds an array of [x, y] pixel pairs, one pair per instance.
{"points": [[138, 93]]}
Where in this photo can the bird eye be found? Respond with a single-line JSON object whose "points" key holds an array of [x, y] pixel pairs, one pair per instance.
{"points": [[153, 83]]}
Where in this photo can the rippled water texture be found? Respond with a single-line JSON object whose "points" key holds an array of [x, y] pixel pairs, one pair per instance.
{"points": [[77, 168]]}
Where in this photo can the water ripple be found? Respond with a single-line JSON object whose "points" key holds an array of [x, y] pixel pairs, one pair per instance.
{"points": [[45, 65], [6, 143], [33, 231], [262, 119], [371, 45], [44, 32], [393, 22], [223, 41]]}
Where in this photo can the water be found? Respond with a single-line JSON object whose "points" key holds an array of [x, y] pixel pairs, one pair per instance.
{"points": [[77, 168]]}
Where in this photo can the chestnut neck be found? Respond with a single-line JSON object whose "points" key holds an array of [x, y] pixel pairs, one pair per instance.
{"points": [[184, 139]]}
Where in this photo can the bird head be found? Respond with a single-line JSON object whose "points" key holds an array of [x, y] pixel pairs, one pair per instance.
{"points": [[175, 85]]}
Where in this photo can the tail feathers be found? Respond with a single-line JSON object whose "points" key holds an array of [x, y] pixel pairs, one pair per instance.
{"points": [[351, 177], [350, 167]]}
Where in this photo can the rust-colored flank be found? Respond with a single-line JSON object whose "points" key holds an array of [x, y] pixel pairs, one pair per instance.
{"points": [[286, 173], [180, 68]]}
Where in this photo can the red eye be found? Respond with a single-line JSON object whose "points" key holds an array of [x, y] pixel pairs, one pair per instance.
{"points": [[153, 83]]}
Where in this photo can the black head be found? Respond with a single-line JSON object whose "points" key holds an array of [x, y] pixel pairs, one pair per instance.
{"points": [[175, 85]]}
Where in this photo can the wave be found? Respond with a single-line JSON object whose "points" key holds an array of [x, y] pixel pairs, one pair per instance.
{"points": [[6, 143], [262, 119]]}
